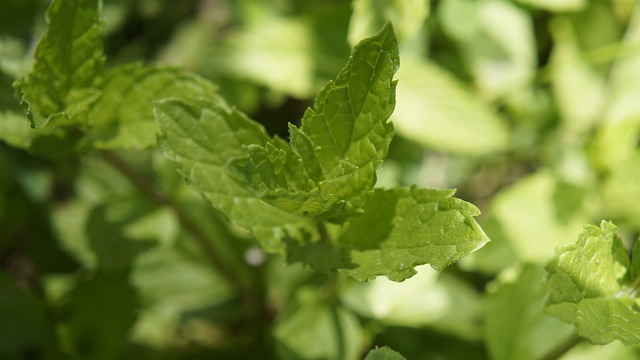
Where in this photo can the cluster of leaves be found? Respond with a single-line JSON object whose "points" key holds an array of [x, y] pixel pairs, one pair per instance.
{"points": [[527, 107]]}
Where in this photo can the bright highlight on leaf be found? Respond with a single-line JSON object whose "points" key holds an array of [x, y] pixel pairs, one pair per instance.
{"points": [[285, 192], [593, 285], [384, 353]]}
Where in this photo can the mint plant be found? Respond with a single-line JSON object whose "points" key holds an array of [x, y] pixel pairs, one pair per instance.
{"points": [[593, 284], [291, 195], [144, 213]]}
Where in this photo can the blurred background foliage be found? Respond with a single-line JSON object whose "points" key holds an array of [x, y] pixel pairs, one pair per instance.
{"points": [[528, 107]]}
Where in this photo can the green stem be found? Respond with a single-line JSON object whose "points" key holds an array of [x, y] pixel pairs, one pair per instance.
{"points": [[563, 348], [153, 192], [322, 229], [634, 287]]}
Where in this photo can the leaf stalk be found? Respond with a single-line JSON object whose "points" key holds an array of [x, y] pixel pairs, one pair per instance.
{"points": [[564, 347]]}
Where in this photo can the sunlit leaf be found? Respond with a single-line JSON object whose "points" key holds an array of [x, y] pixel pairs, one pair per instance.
{"points": [[68, 64], [590, 286]]}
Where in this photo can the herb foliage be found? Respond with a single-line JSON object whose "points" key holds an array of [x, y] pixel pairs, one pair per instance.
{"points": [[145, 190]]}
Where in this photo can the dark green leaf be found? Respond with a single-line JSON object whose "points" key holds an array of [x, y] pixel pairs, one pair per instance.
{"points": [[99, 315]]}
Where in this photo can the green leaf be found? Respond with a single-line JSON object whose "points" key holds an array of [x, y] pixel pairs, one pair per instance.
{"points": [[276, 52], [98, 316], [14, 130], [384, 353], [613, 350], [557, 5], [269, 188], [368, 16], [203, 135], [342, 140], [398, 230], [119, 229], [313, 329], [590, 286], [68, 64], [579, 89], [435, 299], [437, 111], [123, 115], [617, 138], [23, 329], [515, 301], [173, 281], [620, 189], [496, 41], [348, 124], [555, 211]]}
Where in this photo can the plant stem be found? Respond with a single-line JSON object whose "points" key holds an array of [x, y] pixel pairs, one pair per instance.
{"points": [[563, 348], [634, 287], [147, 187], [322, 229]]}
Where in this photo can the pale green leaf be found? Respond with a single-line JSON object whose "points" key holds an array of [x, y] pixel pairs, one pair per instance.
{"points": [[276, 52], [438, 111], [407, 17], [617, 138], [557, 5], [555, 211], [578, 87], [68, 66], [620, 189], [398, 230], [515, 301], [384, 353], [613, 350], [313, 329], [496, 40], [15, 130], [430, 298], [590, 286], [123, 118]]}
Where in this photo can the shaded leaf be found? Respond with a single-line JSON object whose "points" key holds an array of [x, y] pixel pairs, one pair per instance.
{"points": [[98, 316]]}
